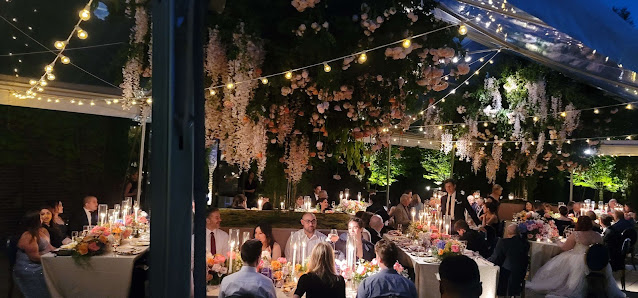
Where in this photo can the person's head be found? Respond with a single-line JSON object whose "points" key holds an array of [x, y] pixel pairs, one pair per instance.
{"points": [[460, 226], [90, 203], [511, 230], [613, 203], [405, 200], [547, 207], [251, 176], [450, 186], [591, 215], [376, 222], [309, 223], [322, 262], [323, 202], [263, 233], [606, 220], [251, 252], [317, 189], [529, 206], [46, 215], [562, 210], [479, 201], [470, 199], [627, 208], [416, 199], [538, 206], [570, 205], [477, 194], [618, 215], [459, 278], [56, 206], [491, 207], [497, 190], [354, 227], [31, 223], [323, 194], [387, 252], [299, 201], [576, 207], [213, 219], [584, 224], [135, 175], [239, 201]]}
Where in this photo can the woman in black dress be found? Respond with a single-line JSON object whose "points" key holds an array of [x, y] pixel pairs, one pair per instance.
{"points": [[322, 279], [249, 190], [130, 190], [55, 234], [57, 208]]}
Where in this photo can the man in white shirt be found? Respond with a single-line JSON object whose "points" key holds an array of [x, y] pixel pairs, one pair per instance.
{"points": [[247, 282], [216, 239], [308, 235]]}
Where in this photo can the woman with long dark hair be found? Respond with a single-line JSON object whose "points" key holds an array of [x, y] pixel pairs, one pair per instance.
{"points": [[57, 208], [55, 235], [263, 233], [322, 279], [33, 243]]}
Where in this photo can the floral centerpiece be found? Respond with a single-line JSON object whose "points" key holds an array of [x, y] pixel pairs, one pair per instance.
{"points": [[351, 206], [538, 229], [216, 268], [526, 215], [95, 243], [443, 248], [417, 227]]}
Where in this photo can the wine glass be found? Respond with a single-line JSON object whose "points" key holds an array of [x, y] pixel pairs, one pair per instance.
{"points": [[400, 228], [333, 204], [333, 233], [75, 235]]}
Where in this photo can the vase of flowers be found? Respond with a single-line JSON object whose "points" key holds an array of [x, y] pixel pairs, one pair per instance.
{"points": [[216, 268], [443, 248]]}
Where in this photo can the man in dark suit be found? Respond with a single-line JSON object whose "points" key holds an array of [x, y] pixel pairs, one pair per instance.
{"points": [[454, 204], [376, 228], [86, 217], [314, 198], [621, 223], [511, 255], [475, 241], [613, 240]]}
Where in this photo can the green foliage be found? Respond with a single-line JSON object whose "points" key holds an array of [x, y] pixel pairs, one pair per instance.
{"points": [[437, 165], [601, 175], [379, 166]]}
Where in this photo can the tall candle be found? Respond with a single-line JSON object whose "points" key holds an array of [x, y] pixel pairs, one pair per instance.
{"points": [[135, 209], [447, 229], [281, 204], [303, 253], [230, 262], [260, 202], [294, 259], [413, 214], [102, 217]]}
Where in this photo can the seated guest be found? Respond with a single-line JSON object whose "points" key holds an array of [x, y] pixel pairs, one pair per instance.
{"points": [[563, 221], [592, 215], [480, 203], [308, 235], [475, 241], [547, 210], [263, 233], [613, 240], [387, 282], [86, 217], [490, 217], [376, 228], [247, 282], [216, 239], [239, 202], [570, 208], [365, 221], [460, 278], [322, 279], [400, 212], [299, 203], [538, 208], [316, 194], [620, 223], [511, 255], [364, 249], [630, 215], [56, 236], [612, 205], [378, 207], [416, 203], [324, 206], [529, 207], [267, 205], [33, 243], [57, 209]]}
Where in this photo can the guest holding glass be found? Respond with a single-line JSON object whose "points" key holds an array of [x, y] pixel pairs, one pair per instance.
{"points": [[32, 244], [247, 282], [387, 282], [321, 280], [239, 202], [364, 249], [263, 233]]}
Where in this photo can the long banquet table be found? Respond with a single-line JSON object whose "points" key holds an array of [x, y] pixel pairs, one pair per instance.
{"points": [[426, 281], [107, 275]]}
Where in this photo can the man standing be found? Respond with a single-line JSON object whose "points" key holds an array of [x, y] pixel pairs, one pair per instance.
{"points": [[247, 282], [216, 240], [308, 235], [387, 282], [86, 217], [455, 205], [315, 195]]}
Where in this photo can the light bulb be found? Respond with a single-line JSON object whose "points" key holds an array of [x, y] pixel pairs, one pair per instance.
{"points": [[134, 102], [406, 43], [327, 67], [82, 34], [230, 85], [48, 68], [43, 83], [462, 29], [629, 107], [288, 75], [85, 14], [485, 124], [40, 89], [563, 114], [363, 58], [92, 103], [212, 92], [65, 60], [455, 59], [535, 118], [80, 103], [468, 58], [264, 81], [33, 82], [50, 77], [108, 102], [596, 111], [149, 101], [116, 100], [59, 44]]}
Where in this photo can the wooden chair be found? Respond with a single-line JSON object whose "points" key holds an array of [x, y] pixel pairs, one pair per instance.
{"points": [[633, 236], [596, 258], [626, 246]]}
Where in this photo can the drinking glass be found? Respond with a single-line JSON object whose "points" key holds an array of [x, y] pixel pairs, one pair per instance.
{"points": [[245, 237], [333, 204], [86, 229], [75, 235], [400, 228]]}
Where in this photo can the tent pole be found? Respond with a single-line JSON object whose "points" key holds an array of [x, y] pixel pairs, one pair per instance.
{"points": [[387, 190], [141, 163], [571, 187]]}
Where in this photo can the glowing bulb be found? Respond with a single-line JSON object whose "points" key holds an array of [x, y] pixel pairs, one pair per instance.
{"points": [[533, 143], [550, 142], [82, 34], [406, 43], [33, 82], [421, 128], [455, 59], [587, 141], [468, 59], [363, 58], [629, 107], [59, 44], [440, 127], [43, 83], [134, 102], [485, 124], [57, 100], [264, 81], [212, 92], [40, 89], [92, 103], [288, 75], [462, 29], [80, 103], [482, 59], [116, 100], [50, 77], [48, 68], [596, 111], [535, 118], [563, 114], [65, 60], [230, 85], [149, 101], [108, 102], [327, 68], [85, 14]]}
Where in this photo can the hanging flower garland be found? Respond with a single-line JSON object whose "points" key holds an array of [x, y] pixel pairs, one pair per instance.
{"points": [[296, 159]]}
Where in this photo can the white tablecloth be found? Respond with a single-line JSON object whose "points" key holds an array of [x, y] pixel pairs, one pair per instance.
{"points": [[108, 275], [427, 285], [540, 253]]}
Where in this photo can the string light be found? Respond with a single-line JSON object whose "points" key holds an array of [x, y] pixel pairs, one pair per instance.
{"points": [[59, 44], [535, 118], [82, 34], [406, 43], [50, 77], [85, 15], [32, 82], [65, 60], [212, 92], [230, 86], [629, 107], [263, 81], [596, 111], [288, 75], [463, 29], [563, 114], [48, 68], [327, 67], [363, 58]]}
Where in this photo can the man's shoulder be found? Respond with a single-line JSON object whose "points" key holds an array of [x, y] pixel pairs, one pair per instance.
{"points": [[221, 232]]}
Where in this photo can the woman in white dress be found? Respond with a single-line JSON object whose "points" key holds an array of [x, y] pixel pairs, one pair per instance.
{"points": [[565, 274]]}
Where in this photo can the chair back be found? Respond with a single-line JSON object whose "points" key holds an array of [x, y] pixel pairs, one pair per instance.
{"points": [[626, 247], [630, 234], [597, 257], [12, 250]]}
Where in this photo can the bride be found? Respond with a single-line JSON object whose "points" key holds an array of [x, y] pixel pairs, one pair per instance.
{"points": [[564, 275]]}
